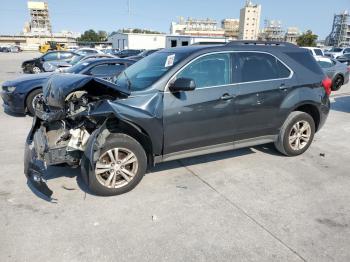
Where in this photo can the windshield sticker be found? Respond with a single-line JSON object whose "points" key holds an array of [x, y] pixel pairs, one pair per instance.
{"points": [[169, 60]]}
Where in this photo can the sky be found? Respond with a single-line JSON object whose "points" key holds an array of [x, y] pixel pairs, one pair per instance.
{"points": [[111, 15]]}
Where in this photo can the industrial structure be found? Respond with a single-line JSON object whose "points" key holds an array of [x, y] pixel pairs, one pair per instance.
{"points": [[340, 34], [231, 28], [38, 30], [249, 21], [196, 27], [39, 18], [272, 31]]}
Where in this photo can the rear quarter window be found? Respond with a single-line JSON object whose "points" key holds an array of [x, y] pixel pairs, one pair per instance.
{"points": [[304, 59], [318, 52]]}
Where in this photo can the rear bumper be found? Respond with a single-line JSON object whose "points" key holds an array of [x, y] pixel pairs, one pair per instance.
{"points": [[324, 111], [14, 102]]}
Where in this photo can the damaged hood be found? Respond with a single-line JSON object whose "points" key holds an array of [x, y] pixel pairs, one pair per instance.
{"points": [[60, 85]]}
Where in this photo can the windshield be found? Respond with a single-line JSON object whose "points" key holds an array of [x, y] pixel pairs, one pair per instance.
{"points": [[75, 59], [77, 68], [336, 49], [147, 71]]}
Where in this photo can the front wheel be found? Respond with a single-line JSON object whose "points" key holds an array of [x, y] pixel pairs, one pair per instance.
{"points": [[120, 166], [296, 134]]}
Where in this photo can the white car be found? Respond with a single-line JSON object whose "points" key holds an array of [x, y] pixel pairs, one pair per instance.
{"points": [[88, 51], [335, 52], [315, 51]]}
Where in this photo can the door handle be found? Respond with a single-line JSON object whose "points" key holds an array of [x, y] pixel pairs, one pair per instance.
{"points": [[283, 87], [226, 97]]}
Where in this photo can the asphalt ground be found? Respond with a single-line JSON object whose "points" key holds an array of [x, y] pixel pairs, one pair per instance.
{"points": [[246, 205]]}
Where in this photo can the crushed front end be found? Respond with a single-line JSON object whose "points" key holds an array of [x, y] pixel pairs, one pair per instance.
{"points": [[71, 109]]}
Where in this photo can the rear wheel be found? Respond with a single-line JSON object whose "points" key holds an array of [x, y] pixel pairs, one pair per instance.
{"points": [[120, 167], [296, 134], [337, 83], [32, 99]]}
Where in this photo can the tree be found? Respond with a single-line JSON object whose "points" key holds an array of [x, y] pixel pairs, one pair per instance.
{"points": [[92, 36], [307, 39]]}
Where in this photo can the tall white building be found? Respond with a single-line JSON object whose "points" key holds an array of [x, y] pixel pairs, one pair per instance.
{"points": [[249, 21]]}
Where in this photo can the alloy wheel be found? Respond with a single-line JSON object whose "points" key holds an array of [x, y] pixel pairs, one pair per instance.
{"points": [[300, 135], [36, 99], [36, 70], [116, 167]]}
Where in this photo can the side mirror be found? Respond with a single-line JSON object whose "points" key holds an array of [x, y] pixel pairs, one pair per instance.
{"points": [[183, 84]]}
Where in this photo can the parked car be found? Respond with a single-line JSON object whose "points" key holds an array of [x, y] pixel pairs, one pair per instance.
{"points": [[335, 52], [315, 51], [335, 70], [5, 49], [344, 59], [177, 103], [19, 95], [51, 66], [111, 51], [87, 51], [143, 54], [128, 52], [35, 66]]}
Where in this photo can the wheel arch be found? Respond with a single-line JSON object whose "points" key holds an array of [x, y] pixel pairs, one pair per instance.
{"points": [[116, 125], [312, 110], [28, 93]]}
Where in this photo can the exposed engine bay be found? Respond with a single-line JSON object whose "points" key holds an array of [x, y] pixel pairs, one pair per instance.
{"points": [[65, 119]]}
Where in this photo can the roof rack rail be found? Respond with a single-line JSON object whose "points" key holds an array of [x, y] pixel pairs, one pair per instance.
{"points": [[260, 43]]}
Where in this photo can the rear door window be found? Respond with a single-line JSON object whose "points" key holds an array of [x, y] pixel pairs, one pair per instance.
{"points": [[50, 56], [318, 52], [260, 66]]}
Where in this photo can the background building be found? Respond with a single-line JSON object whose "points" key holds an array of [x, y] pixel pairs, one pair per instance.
{"points": [[231, 28], [137, 41], [272, 31], [196, 27], [249, 21], [292, 35], [39, 18], [340, 34], [186, 40]]}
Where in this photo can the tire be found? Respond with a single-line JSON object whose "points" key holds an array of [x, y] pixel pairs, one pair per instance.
{"points": [[296, 121], [118, 184], [30, 98], [338, 81], [36, 70]]}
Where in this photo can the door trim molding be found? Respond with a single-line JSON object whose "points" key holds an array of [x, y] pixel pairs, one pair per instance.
{"points": [[216, 148]]}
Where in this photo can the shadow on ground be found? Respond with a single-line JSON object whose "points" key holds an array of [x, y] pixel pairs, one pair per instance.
{"points": [[54, 172], [341, 104]]}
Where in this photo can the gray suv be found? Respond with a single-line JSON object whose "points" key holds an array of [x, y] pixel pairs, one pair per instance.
{"points": [[177, 103]]}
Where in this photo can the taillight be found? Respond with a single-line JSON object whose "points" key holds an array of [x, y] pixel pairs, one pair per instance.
{"points": [[348, 68], [327, 85]]}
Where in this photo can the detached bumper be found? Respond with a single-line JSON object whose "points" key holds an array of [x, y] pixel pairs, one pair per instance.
{"points": [[35, 168]]}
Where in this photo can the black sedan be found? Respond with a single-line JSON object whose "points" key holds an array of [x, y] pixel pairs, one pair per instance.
{"points": [[35, 66], [19, 95]]}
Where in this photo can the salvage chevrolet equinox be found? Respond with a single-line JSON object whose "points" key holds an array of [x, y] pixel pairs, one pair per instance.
{"points": [[176, 103]]}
